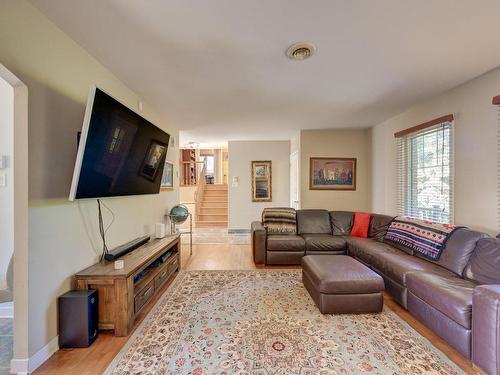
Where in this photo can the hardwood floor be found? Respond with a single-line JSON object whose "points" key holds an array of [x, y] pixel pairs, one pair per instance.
{"points": [[95, 359]]}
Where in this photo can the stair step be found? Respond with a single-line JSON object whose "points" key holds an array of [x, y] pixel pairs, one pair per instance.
{"points": [[216, 187], [212, 217], [215, 193], [213, 200], [215, 204], [211, 224], [213, 210]]}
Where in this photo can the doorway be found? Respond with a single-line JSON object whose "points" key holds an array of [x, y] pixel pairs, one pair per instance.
{"points": [[294, 180], [13, 224]]}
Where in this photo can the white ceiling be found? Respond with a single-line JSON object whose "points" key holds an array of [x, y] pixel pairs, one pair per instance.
{"points": [[217, 68]]}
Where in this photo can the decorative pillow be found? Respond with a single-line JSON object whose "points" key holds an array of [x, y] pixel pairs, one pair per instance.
{"points": [[280, 220], [361, 224]]}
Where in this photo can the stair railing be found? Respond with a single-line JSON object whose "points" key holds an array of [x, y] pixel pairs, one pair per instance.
{"points": [[200, 190]]}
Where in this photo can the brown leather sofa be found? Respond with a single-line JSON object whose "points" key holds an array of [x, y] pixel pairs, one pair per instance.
{"points": [[458, 296]]}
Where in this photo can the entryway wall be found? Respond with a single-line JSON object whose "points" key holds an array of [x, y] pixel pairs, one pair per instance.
{"points": [[14, 99], [6, 178]]}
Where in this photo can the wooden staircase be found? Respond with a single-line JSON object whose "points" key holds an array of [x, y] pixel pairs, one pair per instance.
{"points": [[213, 207]]}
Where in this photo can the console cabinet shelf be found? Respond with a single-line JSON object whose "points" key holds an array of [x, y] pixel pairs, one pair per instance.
{"points": [[124, 293]]}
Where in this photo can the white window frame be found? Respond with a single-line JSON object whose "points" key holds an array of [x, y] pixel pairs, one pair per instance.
{"points": [[407, 170]]}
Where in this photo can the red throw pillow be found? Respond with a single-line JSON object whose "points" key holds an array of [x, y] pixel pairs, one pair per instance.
{"points": [[361, 224]]}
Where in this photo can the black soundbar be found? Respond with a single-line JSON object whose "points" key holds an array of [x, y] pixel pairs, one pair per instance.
{"points": [[126, 248]]}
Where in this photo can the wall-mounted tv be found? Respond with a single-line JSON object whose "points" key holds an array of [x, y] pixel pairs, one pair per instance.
{"points": [[120, 152]]}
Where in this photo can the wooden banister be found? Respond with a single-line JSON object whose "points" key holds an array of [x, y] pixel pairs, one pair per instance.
{"points": [[200, 190]]}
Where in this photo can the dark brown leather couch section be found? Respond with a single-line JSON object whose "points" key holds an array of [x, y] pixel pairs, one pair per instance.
{"points": [[341, 222], [285, 242], [484, 265], [322, 243], [451, 295], [379, 224], [447, 328], [258, 238], [459, 249], [486, 328], [313, 222], [284, 257]]}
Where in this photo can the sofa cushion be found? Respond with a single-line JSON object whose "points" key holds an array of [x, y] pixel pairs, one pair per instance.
{"points": [[365, 249], [484, 265], [324, 242], [314, 222], [341, 275], [449, 294], [285, 242], [341, 222], [458, 249], [361, 224], [387, 260], [378, 226]]}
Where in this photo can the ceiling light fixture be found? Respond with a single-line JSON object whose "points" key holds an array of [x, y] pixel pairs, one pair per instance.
{"points": [[300, 51]]}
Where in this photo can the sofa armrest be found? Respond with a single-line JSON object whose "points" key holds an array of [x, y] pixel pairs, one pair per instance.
{"points": [[259, 237], [486, 328]]}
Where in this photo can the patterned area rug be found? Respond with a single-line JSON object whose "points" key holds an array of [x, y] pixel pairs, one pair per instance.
{"points": [[264, 322]]}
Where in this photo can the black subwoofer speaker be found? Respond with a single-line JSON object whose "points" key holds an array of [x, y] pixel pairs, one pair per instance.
{"points": [[78, 316]]}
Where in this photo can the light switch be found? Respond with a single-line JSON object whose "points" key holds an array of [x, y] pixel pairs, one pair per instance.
{"points": [[3, 180], [236, 181], [4, 161]]}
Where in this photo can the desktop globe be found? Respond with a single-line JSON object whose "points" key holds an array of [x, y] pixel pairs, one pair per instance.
{"points": [[179, 214]]}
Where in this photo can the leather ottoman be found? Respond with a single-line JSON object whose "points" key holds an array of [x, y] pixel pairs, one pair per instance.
{"points": [[339, 284]]}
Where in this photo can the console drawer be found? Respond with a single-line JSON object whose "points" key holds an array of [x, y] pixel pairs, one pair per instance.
{"points": [[144, 296], [173, 265], [163, 276]]}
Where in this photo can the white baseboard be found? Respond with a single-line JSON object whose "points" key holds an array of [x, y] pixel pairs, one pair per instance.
{"points": [[28, 366], [7, 310]]}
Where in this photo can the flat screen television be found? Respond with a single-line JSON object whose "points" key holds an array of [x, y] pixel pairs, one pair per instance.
{"points": [[120, 152]]}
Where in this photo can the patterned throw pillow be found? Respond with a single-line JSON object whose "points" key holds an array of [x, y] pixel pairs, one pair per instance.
{"points": [[280, 220]]}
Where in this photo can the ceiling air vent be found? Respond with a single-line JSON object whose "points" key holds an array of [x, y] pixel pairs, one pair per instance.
{"points": [[300, 51]]}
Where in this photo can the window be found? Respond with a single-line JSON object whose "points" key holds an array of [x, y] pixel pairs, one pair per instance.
{"points": [[425, 171]]}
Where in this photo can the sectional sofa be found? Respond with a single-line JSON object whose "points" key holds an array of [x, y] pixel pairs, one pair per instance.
{"points": [[458, 296]]}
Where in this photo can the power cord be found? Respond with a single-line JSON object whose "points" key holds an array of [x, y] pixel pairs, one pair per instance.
{"points": [[102, 229]]}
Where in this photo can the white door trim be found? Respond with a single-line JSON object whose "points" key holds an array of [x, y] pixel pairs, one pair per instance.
{"points": [[20, 181]]}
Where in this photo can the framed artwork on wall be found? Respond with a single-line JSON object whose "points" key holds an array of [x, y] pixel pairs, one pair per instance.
{"points": [[167, 180], [261, 181], [332, 174]]}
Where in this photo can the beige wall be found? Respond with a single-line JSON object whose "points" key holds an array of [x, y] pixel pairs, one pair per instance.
{"points": [[242, 211], [63, 236], [341, 143], [475, 151]]}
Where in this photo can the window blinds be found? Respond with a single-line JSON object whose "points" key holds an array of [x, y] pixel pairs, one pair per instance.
{"points": [[425, 173]]}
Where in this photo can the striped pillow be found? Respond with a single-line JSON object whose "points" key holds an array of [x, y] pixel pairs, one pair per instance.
{"points": [[280, 220]]}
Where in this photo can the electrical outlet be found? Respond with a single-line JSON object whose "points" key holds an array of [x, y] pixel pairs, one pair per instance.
{"points": [[3, 180]]}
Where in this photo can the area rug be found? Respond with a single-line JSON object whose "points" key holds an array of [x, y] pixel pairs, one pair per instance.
{"points": [[264, 322]]}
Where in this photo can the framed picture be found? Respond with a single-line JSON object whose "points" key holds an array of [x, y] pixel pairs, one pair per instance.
{"points": [[332, 174], [154, 157], [261, 181], [167, 180]]}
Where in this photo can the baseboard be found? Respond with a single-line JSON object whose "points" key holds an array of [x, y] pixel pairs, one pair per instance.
{"points": [[238, 231], [7, 310], [28, 366]]}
